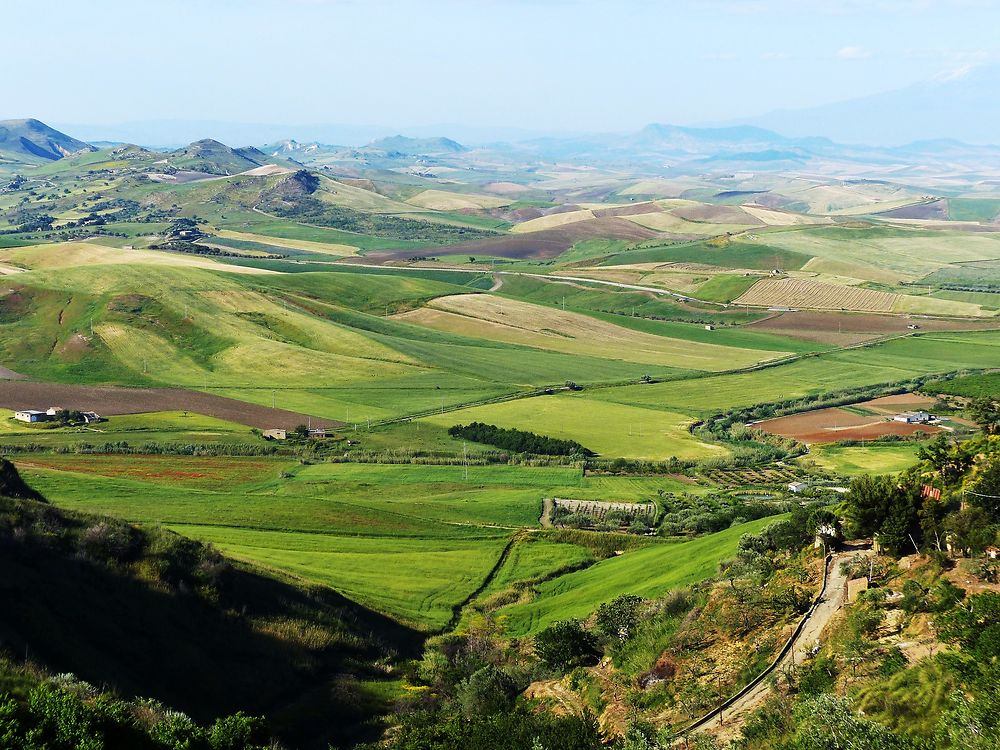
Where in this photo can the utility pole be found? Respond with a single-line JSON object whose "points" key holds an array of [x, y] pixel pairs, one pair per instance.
{"points": [[272, 399]]}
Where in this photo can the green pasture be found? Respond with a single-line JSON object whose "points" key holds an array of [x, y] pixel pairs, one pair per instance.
{"points": [[850, 461], [891, 361], [416, 581], [605, 427], [647, 572]]}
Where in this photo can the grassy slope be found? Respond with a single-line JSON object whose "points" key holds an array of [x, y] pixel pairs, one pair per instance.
{"points": [[647, 572]]}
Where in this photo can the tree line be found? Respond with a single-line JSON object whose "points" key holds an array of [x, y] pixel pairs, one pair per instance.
{"points": [[519, 441]]}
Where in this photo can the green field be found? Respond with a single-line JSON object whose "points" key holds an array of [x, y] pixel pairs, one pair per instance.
{"points": [[389, 536], [851, 461], [609, 429], [646, 572], [401, 353]]}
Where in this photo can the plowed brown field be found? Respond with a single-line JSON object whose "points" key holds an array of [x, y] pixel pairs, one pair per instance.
{"points": [[109, 400], [833, 425]]}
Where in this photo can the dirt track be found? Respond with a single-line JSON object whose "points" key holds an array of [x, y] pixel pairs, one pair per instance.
{"points": [[726, 724], [109, 400]]}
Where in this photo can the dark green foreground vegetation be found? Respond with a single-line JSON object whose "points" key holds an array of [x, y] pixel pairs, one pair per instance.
{"points": [[163, 617]]}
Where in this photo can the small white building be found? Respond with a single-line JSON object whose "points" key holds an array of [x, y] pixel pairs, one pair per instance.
{"points": [[913, 417], [275, 434], [31, 415], [797, 487]]}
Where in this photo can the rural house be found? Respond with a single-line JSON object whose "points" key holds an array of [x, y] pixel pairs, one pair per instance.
{"points": [[31, 415], [275, 434], [52, 413], [913, 417], [797, 487]]}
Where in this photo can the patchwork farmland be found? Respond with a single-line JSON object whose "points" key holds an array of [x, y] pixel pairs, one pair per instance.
{"points": [[282, 350]]}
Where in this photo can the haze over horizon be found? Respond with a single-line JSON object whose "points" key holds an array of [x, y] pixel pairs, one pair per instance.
{"points": [[492, 68]]}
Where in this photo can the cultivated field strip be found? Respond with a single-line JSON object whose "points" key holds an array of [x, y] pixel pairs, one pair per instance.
{"points": [[816, 295]]}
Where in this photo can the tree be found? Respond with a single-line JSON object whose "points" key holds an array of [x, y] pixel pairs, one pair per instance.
{"points": [[301, 431], [618, 618], [985, 489], [567, 644], [827, 722], [950, 461], [932, 514], [970, 529], [985, 412]]}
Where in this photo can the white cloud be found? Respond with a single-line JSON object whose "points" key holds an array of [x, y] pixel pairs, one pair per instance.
{"points": [[853, 53]]}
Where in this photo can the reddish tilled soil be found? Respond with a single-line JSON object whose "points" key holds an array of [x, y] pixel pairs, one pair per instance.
{"points": [[110, 400], [833, 425]]}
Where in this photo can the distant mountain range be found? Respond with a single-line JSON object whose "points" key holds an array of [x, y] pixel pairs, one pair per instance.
{"points": [[962, 106], [656, 148]]}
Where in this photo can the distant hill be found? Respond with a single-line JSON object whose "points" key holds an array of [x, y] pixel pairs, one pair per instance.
{"points": [[416, 146], [33, 141], [213, 157]]}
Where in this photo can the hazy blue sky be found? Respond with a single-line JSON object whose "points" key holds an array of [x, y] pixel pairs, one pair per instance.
{"points": [[549, 64]]}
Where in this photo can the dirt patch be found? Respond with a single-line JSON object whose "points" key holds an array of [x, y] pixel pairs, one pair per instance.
{"points": [[634, 210], [933, 210], [111, 400], [832, 425], [717, 215], [73, 348], [900, 402]]}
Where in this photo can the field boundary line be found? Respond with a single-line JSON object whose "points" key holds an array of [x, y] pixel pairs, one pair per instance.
{"points": [[459, 609]]}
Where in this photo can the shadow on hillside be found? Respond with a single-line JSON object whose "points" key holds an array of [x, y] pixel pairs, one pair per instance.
{"points": [[198, 656]]}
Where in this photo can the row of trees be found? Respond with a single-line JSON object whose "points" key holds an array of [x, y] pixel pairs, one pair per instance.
{"points": [[519, 441]]}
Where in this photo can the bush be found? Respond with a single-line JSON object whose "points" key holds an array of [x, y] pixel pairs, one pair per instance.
{"points": [[111, 541], [487, 691], [567, 644]]}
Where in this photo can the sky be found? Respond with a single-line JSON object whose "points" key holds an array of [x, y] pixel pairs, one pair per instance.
{"points": [[546, 65]]}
